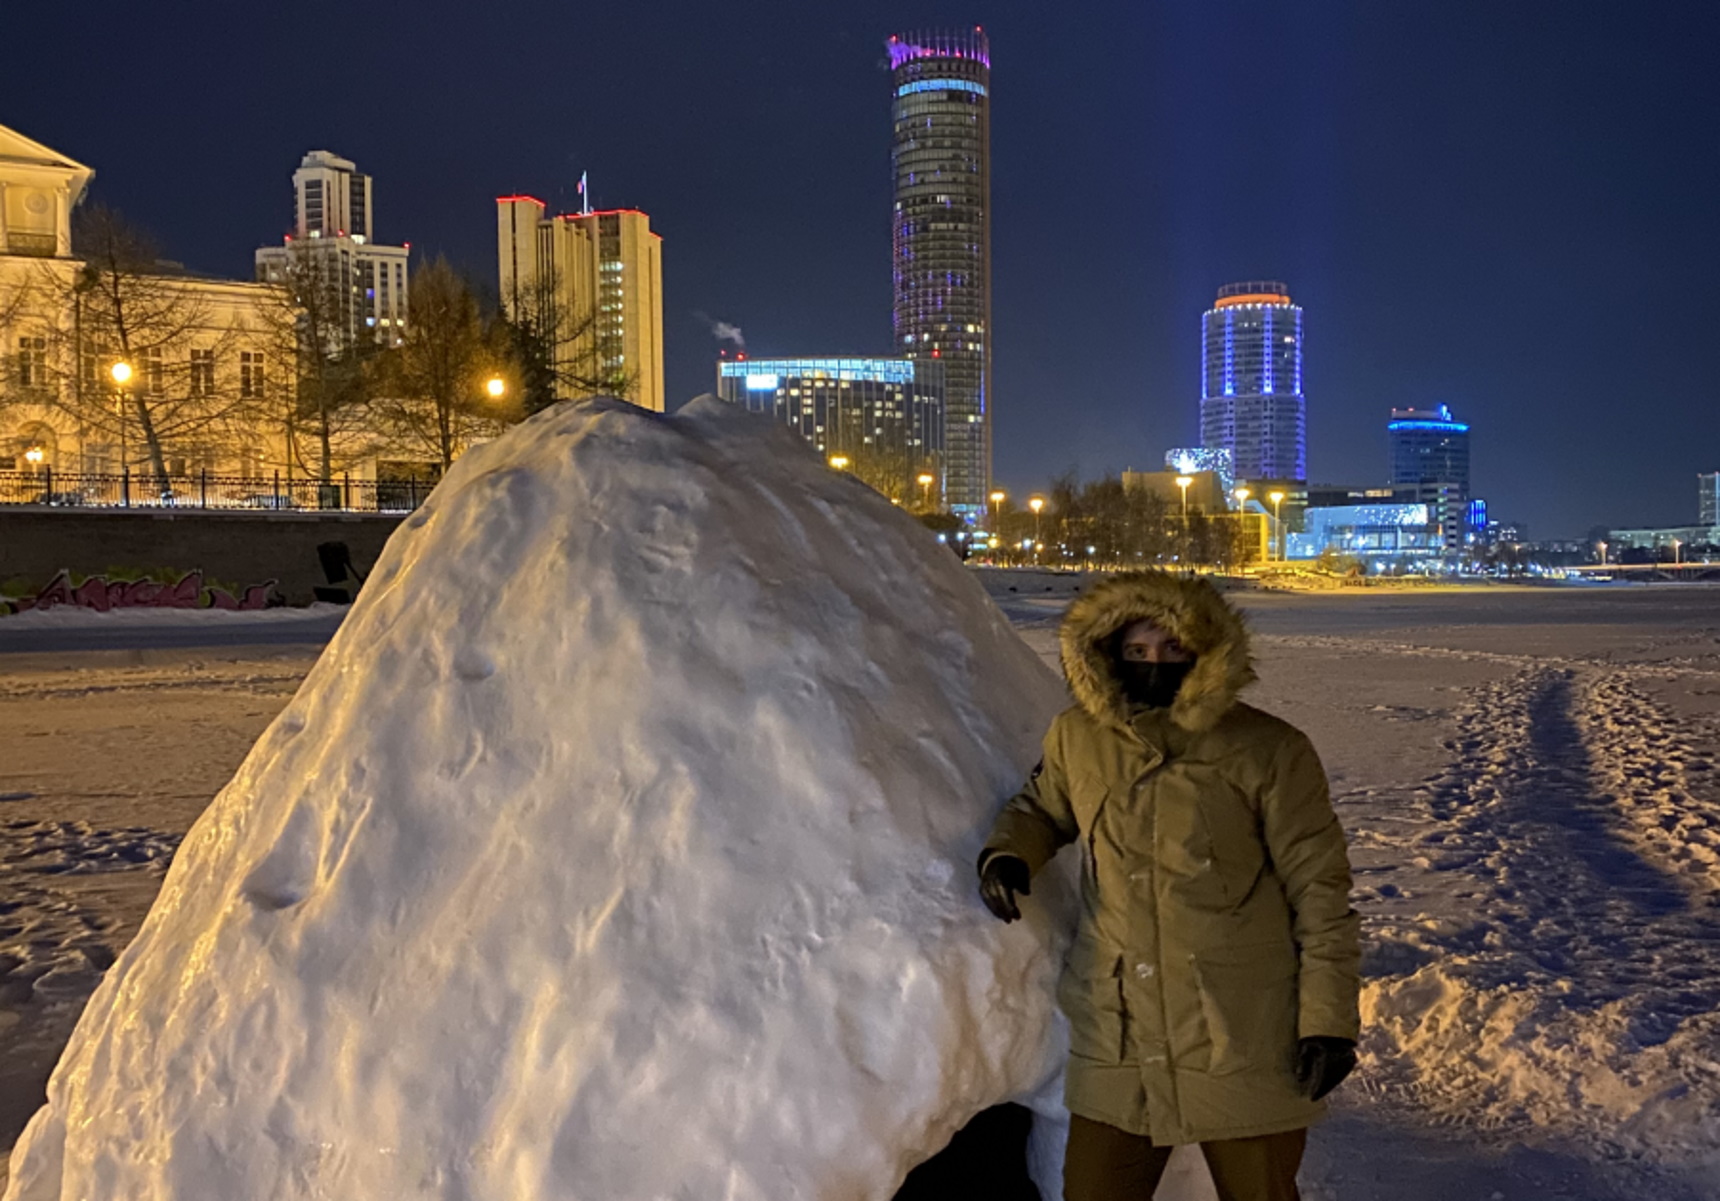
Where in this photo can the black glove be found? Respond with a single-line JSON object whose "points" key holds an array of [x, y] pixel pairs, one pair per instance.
{"points": [[1002, 877], [1322, 1062]]}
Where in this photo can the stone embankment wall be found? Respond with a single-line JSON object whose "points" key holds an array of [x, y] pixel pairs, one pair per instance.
{"points": [[238, 549]]}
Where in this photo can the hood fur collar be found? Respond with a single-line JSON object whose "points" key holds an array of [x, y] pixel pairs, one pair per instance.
{"points": [[1192, 611]]}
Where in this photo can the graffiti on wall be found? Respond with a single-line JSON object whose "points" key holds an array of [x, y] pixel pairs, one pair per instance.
{"points": [[102, 594]]}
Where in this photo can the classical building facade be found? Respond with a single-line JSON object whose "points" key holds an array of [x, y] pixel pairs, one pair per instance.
{"points": [[598, 279], [207, 386], [198, 350]]}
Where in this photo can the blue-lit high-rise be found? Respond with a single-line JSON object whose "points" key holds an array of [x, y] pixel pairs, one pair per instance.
{"points": [[941, 237], [1430, 465], [1251, 400]]}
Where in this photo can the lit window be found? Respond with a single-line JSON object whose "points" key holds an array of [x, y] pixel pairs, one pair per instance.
{"points": [[202, 373], [250, 374]]}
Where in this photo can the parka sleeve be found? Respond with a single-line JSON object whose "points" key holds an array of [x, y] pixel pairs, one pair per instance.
{"points": [[1308, 852], [1038, 820]]}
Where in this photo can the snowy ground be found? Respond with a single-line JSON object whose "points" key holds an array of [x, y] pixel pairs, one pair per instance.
{"points": [[1531, 780]]}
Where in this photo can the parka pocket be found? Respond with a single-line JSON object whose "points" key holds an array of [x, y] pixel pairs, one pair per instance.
{"points": [[1249, 1003], [1090, 993]]}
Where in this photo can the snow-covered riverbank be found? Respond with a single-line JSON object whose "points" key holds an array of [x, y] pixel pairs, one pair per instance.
{"points": [[1530, 781]]}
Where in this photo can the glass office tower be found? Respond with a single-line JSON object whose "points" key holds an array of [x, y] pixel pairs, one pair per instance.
{"points": [[1251, 401], [1430, 464], [941, 237], [881, 419]]}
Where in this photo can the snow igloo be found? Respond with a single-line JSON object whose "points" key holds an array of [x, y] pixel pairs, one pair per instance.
{"points": [[620, 847]]}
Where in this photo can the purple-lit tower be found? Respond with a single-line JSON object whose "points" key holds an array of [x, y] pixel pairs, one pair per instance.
{"points": [[1251, 401], [941, 236]]}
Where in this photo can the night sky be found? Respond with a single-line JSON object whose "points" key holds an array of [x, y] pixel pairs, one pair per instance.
{"points": [[1512, 208]]}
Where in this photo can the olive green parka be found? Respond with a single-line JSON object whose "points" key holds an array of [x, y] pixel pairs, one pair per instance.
{"points": [[1215, 923]]}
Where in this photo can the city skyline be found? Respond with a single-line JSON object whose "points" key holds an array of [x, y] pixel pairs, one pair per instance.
{"points": [[1441, 208]]}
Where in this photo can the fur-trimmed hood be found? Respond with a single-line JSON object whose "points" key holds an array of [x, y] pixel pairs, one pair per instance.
{"points": [[1190, 610]]}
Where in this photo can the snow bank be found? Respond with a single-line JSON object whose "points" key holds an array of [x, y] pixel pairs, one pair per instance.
{"points": [[618, 848]]}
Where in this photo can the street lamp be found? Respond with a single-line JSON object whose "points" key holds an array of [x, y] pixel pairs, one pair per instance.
{"points": [[1277, 498], [1601, 544], [1242, 495], [121, 372], [1675, 545], [34, 456], [924, 480], [1036, 503], [840, 462], [496, 386]]}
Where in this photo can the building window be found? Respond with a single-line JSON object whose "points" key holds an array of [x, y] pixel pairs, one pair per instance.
{"points": [[202, 373], [250, 374], [32, 362], [154, 372], [92, 369]]}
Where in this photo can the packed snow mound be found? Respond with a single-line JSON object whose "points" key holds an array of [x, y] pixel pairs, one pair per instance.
{"points": [[620, 847]]}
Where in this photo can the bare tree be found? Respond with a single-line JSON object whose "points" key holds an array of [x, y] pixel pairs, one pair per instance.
{"points": [[332, 376], [126, 306], [555, 351], [434, 381], [21, 361]]}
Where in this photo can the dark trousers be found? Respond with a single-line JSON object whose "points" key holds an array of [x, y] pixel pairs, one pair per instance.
{"points": [[1104, 1163]]}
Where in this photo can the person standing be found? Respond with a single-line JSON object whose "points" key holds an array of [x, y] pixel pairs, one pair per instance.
{"points": [[1212, 984]]}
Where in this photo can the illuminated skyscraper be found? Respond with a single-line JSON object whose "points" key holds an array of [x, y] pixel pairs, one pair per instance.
{"points": [[883, 419], [942, 237], [336, 239], [1430, 465], [1251, 381], [600, 278]]}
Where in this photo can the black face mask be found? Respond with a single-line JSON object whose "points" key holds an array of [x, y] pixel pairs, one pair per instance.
{"points": [[1151, 684]]}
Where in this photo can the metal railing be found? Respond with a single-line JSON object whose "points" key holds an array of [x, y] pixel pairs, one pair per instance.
{"points": [[205, 490]]}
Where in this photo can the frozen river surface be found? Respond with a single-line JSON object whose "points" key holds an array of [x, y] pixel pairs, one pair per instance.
{"points": [[1530, 780]]}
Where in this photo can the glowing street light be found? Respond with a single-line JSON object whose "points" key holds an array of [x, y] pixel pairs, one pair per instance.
{"points": [[121, 372], [1183, 481], [496, 386], [1602, 546], [840, 462], [1675, 545], [34, 456], [1036, 503], [925, 480]]}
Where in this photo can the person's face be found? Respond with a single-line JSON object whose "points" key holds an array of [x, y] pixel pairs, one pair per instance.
{"points": [[1145, 642]]}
